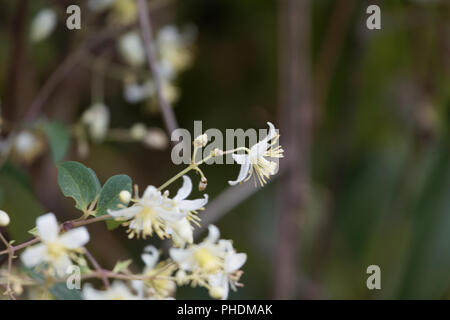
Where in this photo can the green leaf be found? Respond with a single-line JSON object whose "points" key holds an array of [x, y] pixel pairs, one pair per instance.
{"points": [[122, 265], [34, 232], [59, 139], [78, 182], [59, 290], [109, 197]]}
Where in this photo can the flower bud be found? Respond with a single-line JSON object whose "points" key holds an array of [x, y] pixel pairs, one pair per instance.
{"points": [[216, 292], [125, 196], [217, 152], [4, 219], [201, 141], [202, 185], [138, 131]]}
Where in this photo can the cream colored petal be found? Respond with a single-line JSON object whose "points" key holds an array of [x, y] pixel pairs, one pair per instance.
{"points": [[150, 256], [182, 257], [185, 189], [243, 173], [34, 255], [213, 234], [47, 227], [126, 213], [193, 205], [234, 261], [75, 238], [241, 158]]}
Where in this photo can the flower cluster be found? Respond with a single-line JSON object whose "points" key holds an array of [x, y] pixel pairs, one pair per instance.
{"points": [[56, 251], [156, 212], [174, 55], [213, 263]]}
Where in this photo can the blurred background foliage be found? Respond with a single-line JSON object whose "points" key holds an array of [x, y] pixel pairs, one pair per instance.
{"points": [[380, 169]]}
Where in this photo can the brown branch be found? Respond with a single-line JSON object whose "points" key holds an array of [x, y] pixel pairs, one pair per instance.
{"points": [[13, 75], [146, 29], [64, 226], [97, 267], [296, 118]]}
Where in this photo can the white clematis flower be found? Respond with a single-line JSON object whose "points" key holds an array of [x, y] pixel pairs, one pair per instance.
{"points": [[256, 160], [212, 263], [220, 283], [154, 212], [55, 248], [117, 291], [146, 215]]}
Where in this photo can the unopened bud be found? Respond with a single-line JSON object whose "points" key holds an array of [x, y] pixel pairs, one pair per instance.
{"points": [[125, 196], [202, 185], [216, 292], [201, 141], [4, 219], [138, 131], [217, 152]]}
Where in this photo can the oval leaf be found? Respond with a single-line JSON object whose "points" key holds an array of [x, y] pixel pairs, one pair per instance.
{"points": [[109, 197], [78, 182]]}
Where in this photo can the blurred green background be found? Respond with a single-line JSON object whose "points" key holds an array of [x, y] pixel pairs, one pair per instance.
{"points": [[379, 174]]}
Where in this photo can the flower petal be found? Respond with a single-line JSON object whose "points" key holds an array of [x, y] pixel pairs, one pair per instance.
{"points": [[192, 205], [182, 257], [34, 255], [62, 265], [219, 280], [47, 227], [150, 192], [89, 293], [241, 158], [150, 257], [185, 189], [213, 234], [234, 262], [75, 238], [243, 173], [259, 148], [126, 213]]}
